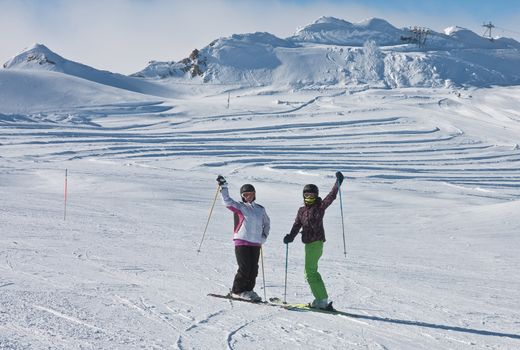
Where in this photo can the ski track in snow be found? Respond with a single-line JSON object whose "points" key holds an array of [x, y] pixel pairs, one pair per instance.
{"points": [[67, 317], [121, 271], [381, 148]]}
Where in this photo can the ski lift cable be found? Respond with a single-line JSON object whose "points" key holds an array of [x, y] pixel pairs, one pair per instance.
{"points": [[507, 30]]}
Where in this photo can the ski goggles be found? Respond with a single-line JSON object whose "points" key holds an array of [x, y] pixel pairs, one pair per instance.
{"points": [[248, 196], [309, 195]]}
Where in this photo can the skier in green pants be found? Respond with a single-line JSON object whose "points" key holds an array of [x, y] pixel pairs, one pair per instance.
{"points": [[310, 220]]}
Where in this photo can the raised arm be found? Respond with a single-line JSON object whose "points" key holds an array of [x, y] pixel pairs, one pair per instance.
{"points": [[226, 199], [334, 192]]}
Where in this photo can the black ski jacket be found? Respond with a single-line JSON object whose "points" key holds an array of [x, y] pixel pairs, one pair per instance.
{"points": [[310, 218]]}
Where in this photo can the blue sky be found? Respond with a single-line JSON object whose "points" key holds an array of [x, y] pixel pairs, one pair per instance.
{"points": [[123, 35], [477, 8]]}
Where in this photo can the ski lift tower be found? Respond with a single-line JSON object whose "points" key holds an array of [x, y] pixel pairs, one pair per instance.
{"points": [[487, 32], [420, 33], [417, 36]]}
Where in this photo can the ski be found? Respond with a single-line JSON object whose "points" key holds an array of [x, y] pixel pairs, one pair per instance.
{"points": [[272, 301], [277, 302], [229, 297], [307, 308]]}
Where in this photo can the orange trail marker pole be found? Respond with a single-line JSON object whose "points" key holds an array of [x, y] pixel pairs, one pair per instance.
{"points": [[65, 198]]}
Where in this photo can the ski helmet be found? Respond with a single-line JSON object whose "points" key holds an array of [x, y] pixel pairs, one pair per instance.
{"points": [[247, 188], [311, 188]]}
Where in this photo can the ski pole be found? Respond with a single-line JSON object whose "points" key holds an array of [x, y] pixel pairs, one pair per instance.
{"points": [[342, 220], [263, 274], [209, 217], [286, 264]]}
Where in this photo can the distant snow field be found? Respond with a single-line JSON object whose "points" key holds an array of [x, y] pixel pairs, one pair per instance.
{"points": [[431, 200]]}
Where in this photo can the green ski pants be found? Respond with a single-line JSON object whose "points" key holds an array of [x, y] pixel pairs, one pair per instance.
{"points": [[313, 252]]}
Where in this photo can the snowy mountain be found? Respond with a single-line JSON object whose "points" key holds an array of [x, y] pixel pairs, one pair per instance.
{"points": [[333, 31], [39, 57], [334, 52], [470, 40], [329, 52]]}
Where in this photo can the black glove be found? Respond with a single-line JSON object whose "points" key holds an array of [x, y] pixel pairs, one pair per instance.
{"points": [[221, 181], [339, 177], [288, 239]]}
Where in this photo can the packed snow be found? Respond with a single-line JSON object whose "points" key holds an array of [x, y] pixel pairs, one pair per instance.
{"points": [[431, 200]]}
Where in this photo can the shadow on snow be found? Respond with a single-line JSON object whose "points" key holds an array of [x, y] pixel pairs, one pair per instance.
{"points": [[426, 325]]}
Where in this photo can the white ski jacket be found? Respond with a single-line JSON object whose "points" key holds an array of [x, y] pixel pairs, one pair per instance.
{"points": [[251, 221]]}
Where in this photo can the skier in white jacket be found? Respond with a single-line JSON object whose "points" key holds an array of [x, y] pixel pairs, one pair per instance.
{"points": [[251, 229]]}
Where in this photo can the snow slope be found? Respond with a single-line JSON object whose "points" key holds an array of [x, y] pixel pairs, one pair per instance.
{"points": [[431, 196], [430, 201], [25, 92]]}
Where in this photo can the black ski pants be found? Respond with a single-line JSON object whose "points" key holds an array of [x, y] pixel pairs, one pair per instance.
{"points": [[247, 259]]}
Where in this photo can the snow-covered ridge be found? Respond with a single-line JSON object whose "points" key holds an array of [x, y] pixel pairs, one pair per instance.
{"points": [[333, 31], [36, 56], [329, 52], [335, 52], [39, 57], [470, 40]]}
